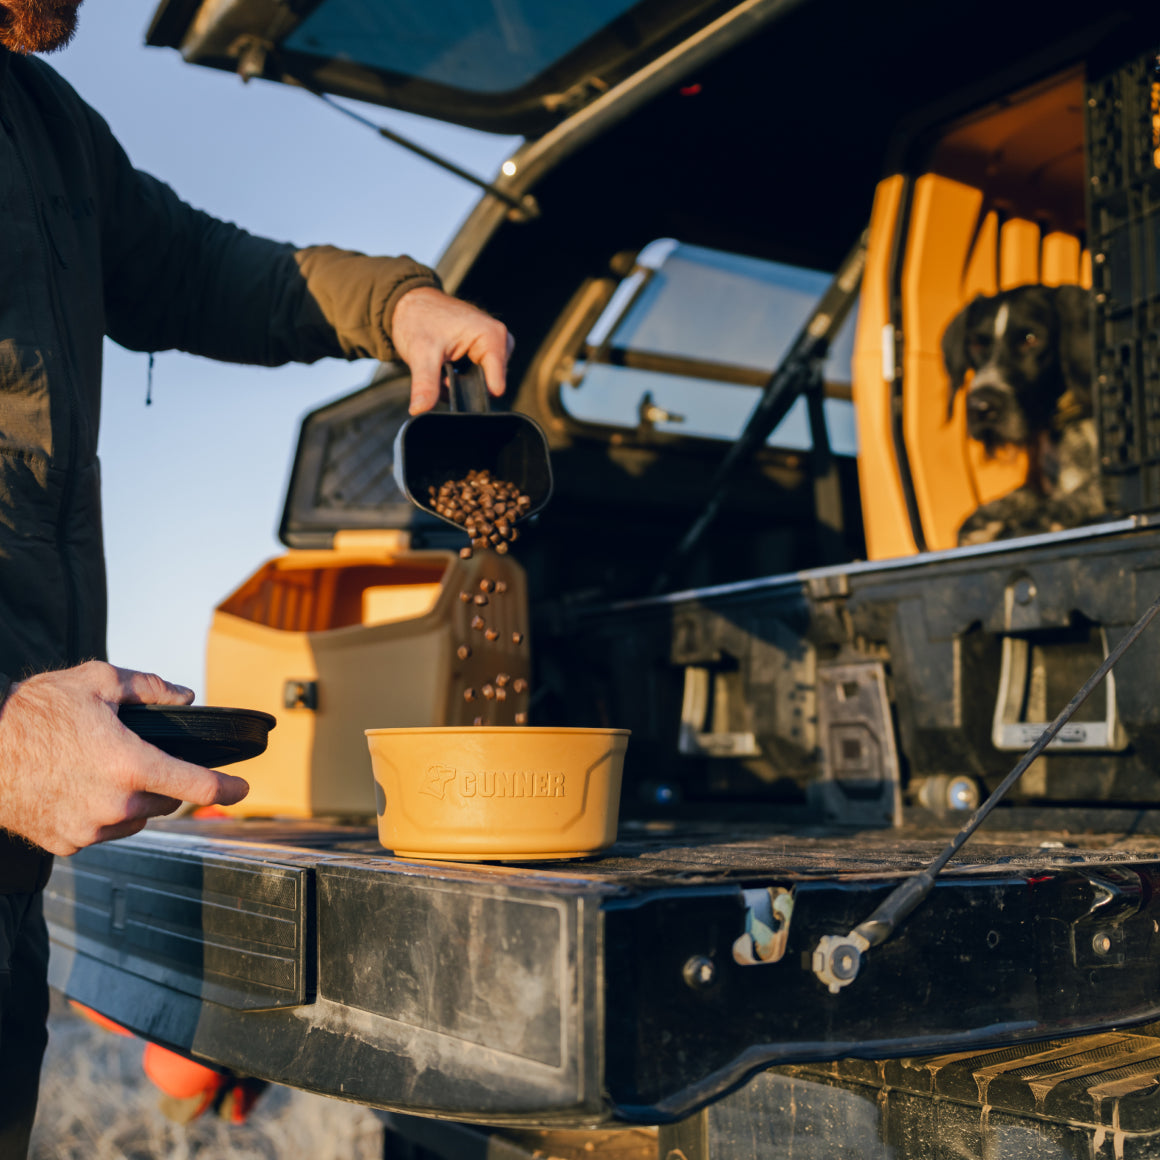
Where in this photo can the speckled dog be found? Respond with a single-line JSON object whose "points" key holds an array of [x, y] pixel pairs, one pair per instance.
{"points": [[1030, 350]]}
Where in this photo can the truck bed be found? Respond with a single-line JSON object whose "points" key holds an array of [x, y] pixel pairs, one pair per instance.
{"points": [[607, 990]]}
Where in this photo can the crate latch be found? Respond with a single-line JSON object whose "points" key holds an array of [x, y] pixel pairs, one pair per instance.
{"points": [[300, 694]]}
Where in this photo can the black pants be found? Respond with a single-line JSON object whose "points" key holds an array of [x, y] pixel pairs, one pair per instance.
{"points": [[23, 1014]]}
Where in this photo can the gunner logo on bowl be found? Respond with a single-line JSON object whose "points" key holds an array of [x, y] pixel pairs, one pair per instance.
{"points": [[499, 783], [435, 783]]}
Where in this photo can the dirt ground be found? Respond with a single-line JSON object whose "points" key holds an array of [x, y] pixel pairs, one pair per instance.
{"points": [[96, 1104]]}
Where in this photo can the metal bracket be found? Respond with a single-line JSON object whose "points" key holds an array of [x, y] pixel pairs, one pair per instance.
{"points": [[767, 916], [1098, 938], [860, 782]]}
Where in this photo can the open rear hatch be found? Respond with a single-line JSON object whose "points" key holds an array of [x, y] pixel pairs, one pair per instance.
{"points": [[504, 66]]}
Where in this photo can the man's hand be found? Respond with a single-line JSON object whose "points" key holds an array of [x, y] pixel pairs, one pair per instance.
{"points": [[430, 328], [71, 774]]}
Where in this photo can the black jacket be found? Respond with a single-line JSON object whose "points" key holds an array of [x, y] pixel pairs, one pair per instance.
{"points": [[91, 247]]}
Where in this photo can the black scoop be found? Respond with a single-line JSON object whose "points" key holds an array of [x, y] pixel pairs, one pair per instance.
{"points": [[438, 446]]}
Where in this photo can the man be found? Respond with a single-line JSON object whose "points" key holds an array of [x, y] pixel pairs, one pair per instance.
{"points": [[89, 247]]}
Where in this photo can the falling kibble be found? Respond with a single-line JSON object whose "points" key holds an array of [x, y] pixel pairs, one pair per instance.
{"points": [[488, 510]]}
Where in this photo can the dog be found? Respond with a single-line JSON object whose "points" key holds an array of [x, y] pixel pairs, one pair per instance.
{"points": [[1030, 351]]}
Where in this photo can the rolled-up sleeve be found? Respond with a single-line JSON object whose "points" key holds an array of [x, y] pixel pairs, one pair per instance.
{"points": [[177, 278]]}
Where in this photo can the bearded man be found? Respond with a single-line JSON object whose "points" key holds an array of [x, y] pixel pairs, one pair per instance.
{"points": [[92, 247]]}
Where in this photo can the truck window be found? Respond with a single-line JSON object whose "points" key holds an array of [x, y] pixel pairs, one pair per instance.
{"points": [[690, 336]]}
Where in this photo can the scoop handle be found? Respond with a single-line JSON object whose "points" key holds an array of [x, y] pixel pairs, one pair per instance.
{"points": [[466, 388]]}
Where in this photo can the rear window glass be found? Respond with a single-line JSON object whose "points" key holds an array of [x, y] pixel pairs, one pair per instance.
{"points": [[482, 46], [689, 338]]}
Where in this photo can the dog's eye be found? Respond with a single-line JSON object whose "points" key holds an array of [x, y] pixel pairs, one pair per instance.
{"points": [[1031, 339]]}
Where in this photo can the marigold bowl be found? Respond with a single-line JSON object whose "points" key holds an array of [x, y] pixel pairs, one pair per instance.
{"points": [[497, 794]]}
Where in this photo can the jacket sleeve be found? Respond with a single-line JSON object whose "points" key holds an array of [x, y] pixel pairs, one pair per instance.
{"points": [[177, 278]]}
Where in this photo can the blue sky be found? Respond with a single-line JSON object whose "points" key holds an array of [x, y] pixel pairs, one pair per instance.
{"points": [[193, 485]]}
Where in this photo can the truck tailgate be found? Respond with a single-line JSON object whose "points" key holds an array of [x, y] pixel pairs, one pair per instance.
{"points": [[601, 991]]}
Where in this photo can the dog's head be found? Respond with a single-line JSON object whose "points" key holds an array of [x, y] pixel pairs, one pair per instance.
{"points": [[1031, 353]]}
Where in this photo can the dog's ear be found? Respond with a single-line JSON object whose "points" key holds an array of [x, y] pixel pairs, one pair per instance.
{"points": [[954, 351], [1073, 307]]}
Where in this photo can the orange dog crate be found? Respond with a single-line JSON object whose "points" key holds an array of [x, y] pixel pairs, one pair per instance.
{"points": [[1001, 205]]}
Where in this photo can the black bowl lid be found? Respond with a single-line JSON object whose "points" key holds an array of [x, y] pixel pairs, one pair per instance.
{"points": [[206, 735]]}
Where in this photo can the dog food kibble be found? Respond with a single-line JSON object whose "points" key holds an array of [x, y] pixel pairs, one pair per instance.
{"points": [[485, 508]]}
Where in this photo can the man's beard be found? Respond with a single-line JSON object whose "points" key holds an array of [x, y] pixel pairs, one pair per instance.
{"points": [[37, 25]]}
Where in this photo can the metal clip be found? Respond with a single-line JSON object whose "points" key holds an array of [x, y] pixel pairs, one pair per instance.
{"points": [[767, 915]]}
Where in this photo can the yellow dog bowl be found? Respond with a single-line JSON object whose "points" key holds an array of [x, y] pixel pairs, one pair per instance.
{"points": [[497, 794]]}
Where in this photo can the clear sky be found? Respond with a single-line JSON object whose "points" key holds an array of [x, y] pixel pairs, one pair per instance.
{"points": [[193, 485]]}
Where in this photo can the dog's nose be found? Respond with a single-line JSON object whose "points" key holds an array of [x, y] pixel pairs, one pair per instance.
{"points": [[982, 407]]}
